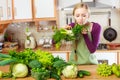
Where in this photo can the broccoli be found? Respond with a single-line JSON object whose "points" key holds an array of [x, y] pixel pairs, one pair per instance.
{"points": [[35, 64]]}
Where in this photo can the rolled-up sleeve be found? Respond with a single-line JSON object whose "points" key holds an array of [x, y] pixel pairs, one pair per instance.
{"points": [[95, 33]]}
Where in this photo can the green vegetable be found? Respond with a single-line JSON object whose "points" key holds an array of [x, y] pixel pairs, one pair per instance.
{"points": [[55, 76], [57, 45], [59, 64], [24, 56], [115, 69], [4, 56], [20, 70], [35, 64], [70, 71], [117, 73], [80, 74], [77, 30], [68, 35], [1, 73], [85, 72], [6, 59], [46, 58], [7, 75], [63, 34], [104, 69], [40, 73]]}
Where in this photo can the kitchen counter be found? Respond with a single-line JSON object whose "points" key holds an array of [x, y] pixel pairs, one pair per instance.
{"points": [[67, 48], [91, 68], [63, 48]]}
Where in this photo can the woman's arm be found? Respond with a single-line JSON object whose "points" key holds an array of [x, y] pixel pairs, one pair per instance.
{"points": [[92, 45]]}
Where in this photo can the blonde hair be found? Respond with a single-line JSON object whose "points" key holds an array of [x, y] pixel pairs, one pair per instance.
{"points": [[81, 5]]}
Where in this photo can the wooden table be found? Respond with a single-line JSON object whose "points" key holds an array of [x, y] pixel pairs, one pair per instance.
{"points": [[91, 68]]}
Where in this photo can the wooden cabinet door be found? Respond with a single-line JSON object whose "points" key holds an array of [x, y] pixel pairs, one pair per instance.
{"points": [[22, 9], [45, 9], [9, 10], [3, 10]]}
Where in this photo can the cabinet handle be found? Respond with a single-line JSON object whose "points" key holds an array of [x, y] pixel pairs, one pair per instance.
{"points": [[8, 12], [15, 11], [35, 11], [1, 12]]}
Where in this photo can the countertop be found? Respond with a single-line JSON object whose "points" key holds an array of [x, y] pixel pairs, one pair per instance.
{"points": [[63, 48], [91, 68]]}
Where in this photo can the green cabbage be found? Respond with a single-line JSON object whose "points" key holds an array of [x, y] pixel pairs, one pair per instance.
{"points": [[20, 70]]}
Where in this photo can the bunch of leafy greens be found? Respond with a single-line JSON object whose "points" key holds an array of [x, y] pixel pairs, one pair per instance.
{"points": [[63, 34], [24, 56], [46, 58], [67, 35], [77, 30]]}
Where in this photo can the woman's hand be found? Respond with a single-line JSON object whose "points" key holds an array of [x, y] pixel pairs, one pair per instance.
{"points": [[68, 27], [84, 31]]}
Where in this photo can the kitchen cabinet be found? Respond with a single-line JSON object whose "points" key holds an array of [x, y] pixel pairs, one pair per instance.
{"points": [[22, 10], [108, 57], [5, 11], [28, 10], [45, 10], [9, 10]]}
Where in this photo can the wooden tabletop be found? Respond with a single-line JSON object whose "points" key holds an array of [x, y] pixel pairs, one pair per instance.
{"points": [[91, 68]]}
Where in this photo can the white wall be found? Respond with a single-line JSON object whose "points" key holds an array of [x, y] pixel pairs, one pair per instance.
{"points": [[115, 3], [65, 3]]}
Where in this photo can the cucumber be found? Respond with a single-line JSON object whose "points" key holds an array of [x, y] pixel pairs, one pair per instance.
{"points": [[80, 74], [55, 76], [86, 73]]}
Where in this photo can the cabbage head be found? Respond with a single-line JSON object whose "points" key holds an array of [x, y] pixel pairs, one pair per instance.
{"points": [[19, 70], [70, 71]]}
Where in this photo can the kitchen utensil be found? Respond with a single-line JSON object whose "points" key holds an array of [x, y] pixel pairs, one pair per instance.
{"points": [[110, 33]]}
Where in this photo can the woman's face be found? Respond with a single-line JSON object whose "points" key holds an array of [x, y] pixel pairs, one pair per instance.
{"points": [[81, 15]]}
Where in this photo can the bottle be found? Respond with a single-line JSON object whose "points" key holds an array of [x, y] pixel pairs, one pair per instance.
{"points": [[30, 41]]}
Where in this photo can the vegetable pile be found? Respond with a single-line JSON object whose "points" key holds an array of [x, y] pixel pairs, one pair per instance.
{"points": [[41, 65], [107, 70]]}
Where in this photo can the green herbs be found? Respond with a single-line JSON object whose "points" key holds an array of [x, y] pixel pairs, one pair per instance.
{"points": [[45, 58], [68, 35], [24, 56], [77, 30], [63, 34]]}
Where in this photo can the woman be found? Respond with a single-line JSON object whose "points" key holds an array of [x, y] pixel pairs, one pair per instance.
{"points": [[84, 47]]}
